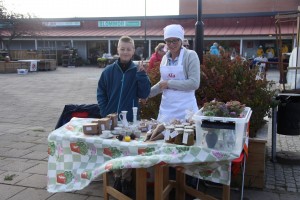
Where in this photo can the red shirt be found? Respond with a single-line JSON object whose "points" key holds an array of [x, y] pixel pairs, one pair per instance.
{"points": [[155, 58]]}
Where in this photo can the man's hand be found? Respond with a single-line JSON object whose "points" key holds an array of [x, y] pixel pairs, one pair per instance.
{"points": [[142, 66]]}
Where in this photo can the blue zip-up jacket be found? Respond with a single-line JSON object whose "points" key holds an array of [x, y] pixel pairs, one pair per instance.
{"points": [[118, 91]]}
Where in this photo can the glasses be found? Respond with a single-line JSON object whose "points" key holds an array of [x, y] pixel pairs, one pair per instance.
{"points": [[175, 41]]}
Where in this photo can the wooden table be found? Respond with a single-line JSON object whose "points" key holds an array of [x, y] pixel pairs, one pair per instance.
{"points": [[162, 186]]}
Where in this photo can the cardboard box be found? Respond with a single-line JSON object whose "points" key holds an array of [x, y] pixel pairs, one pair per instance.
{"points": [[114, 120], [104, 123], [91, 129]]}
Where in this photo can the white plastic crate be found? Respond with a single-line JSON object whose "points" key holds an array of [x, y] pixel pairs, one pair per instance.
{"points": [[22, 71], [231, 132]]}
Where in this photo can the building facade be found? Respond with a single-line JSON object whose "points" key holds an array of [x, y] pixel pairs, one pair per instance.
{"points": [[240, 27]]}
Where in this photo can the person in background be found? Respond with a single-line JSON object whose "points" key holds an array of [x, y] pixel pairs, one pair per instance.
{"points": [[221, 50], [185, 43], [156, 57], [138, 54], [233, 54], [270, 52], [120, 86], [214, 50], [293, 75], [260, 51], [284, 49]]}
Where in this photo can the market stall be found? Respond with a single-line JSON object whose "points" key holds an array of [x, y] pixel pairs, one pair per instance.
{"points": [[75, 158]]}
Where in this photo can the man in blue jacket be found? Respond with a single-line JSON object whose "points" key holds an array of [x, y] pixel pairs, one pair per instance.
{"points": [[120, 86], [122, 83]]}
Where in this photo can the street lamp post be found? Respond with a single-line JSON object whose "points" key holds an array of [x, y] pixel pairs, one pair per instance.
{"points": [[145, 36], [199, 32]]}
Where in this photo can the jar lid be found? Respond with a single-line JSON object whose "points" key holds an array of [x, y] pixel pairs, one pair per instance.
{"points": [[170, 127], [189, 131], [185, 124], [179, 130], [179, 126]]}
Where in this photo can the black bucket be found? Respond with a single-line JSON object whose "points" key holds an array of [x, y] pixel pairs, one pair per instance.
{"points": [[288, 115]]}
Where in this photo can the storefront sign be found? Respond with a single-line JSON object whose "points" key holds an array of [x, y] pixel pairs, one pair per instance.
{"points": [[119, 24], [61, 24]]}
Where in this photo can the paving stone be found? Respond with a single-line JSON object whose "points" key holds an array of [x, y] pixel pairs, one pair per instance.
{"points": [[15, 153], [67, 196], [4, 162], [16, 130], [94, 189], [7, 191], [27, 138], [20, 145], [36, 181], [39, 147], [97, 198], [38, 169], [31, 194], [289, 196], [17, 166], [18, 176], [36, 155]]}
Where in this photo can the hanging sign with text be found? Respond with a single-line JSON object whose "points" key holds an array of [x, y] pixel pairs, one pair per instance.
{"points": [[104, 24]]}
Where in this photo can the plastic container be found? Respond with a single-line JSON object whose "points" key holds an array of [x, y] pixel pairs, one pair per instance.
{"points": [[22, 71], [222, 133]]}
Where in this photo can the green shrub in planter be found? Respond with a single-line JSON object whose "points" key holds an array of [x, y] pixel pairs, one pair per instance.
{"points": [[226, 80]]}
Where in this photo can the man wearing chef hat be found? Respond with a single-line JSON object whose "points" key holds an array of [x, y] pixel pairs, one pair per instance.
{"points": [[180, 77]]}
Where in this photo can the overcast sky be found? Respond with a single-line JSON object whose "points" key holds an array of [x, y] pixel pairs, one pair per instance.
{"points": [[92, 8]]}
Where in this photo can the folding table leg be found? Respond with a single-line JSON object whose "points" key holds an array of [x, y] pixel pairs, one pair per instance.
{"points": [[243, 177], [105, 184], [141, 182]]}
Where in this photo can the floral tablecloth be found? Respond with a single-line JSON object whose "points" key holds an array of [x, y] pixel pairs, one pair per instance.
{"points": [[76, 159]]}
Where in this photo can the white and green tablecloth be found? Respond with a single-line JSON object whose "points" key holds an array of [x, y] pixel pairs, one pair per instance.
{"points": [[76, 159]]}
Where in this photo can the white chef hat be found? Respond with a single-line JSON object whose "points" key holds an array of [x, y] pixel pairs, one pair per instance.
{"points": [[174, 30]]}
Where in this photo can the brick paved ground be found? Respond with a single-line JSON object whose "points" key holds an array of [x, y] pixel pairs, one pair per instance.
{"points": [[30, 106]]}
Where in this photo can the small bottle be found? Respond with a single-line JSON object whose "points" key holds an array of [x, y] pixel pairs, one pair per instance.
{"points": [[134, 110]]}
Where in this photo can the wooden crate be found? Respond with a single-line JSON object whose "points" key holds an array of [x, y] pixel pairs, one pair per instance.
{"points": [[26, 55], [47, 64], [255, 166], [11, 67]]}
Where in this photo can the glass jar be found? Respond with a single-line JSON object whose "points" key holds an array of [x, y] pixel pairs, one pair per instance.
{"points": [[179, 137], [188, 137], [169, 130]]}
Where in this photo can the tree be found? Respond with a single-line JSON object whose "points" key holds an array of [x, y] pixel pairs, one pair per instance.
{"points": [[15, 25]]}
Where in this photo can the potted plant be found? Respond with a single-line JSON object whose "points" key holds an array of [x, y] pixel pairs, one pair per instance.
{"points": [[102, 62], [226, 80]]}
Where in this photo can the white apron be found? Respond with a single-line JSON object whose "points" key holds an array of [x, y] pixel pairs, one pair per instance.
{"points": [[174, 103]]}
